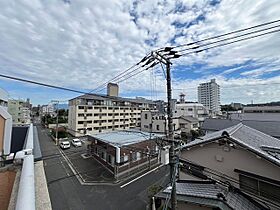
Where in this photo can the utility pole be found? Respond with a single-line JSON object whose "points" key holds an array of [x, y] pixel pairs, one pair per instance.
{"points": [[170, 134], [171, 138], [56, 130]]}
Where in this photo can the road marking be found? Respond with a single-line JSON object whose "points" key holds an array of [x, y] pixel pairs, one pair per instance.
{"points": [[139, 177]]}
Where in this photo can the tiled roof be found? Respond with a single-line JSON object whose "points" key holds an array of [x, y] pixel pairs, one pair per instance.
{"points": [[271, 128], [213, 194], [248, 138]]}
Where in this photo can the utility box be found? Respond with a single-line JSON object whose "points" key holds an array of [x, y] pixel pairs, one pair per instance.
{"points": [[164, 155]]}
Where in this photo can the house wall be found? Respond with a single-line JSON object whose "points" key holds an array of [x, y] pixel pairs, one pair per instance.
{"points": [[102, 151], [238, 158], [188, 206]]}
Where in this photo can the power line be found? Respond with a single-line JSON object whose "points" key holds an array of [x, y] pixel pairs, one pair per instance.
{"points": [[253, 32], [41, 84], [122, 73], [220, 45], [224, 44], [229, 33], [218, 174]]}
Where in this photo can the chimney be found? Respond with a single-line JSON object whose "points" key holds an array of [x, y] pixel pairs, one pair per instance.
{"points": [[112, 89]]}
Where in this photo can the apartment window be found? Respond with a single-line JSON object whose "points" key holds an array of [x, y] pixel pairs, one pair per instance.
{"points": [[190, 109], [157, 127], [260, 187], [80, 122], [89, 115], [90, 107], [80, 115], [81, 107], [146, 116], [96, 115]]}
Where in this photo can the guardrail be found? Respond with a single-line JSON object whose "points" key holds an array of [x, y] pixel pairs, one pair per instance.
{"points": [[26, 192]]}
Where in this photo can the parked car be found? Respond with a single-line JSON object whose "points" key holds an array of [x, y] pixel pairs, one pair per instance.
{"points": [[76, 142], [64, 145]]}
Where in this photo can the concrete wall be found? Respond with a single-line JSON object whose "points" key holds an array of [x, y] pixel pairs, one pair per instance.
{"points": [[238, 158]]}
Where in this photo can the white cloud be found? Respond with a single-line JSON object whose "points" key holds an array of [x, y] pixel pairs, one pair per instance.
{"points": [[82, 45]]}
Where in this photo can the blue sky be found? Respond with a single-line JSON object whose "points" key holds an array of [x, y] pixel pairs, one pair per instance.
{"points": [[79, 45]]}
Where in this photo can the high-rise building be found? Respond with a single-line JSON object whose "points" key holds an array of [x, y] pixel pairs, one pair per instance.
{"points": [[209, 96]]}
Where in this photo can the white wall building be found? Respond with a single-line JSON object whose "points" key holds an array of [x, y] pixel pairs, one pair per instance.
{"points": [[209, 96], [5, 124], [48, 109], [92, 113], [20, 111], [153, 121], [194, 110], [3, 99]]}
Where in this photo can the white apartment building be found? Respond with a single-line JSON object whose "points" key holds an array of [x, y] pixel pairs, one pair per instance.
{"points": [[92, 113], [48, 109], [194, 110], [209, 96], [20, 111]]}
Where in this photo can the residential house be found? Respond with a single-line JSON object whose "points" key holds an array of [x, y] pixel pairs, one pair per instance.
{"points": [[194, 110], [207, 195], [153, 121], [238, 156]]}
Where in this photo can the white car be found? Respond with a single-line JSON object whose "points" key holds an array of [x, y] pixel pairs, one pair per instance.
{"points": [[76, 142], [64, 145]]}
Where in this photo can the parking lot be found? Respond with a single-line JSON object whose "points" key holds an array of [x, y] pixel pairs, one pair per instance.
{"points": [[87, 168], [67, 192]]}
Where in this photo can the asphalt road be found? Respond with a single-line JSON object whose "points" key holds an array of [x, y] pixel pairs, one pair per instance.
{"points": [[67, 193]]}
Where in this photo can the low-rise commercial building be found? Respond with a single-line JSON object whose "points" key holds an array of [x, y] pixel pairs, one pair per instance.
{"points": [[271, 128], [125, 153], [261, 109]]}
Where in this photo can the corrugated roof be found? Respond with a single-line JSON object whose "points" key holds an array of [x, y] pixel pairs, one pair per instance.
{"points": [[125, 137], [247, 137], [212, 192], [256, 116], [271, 128]]}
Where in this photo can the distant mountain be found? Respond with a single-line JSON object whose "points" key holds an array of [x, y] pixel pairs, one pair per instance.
{"points": [[62, 106]]}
